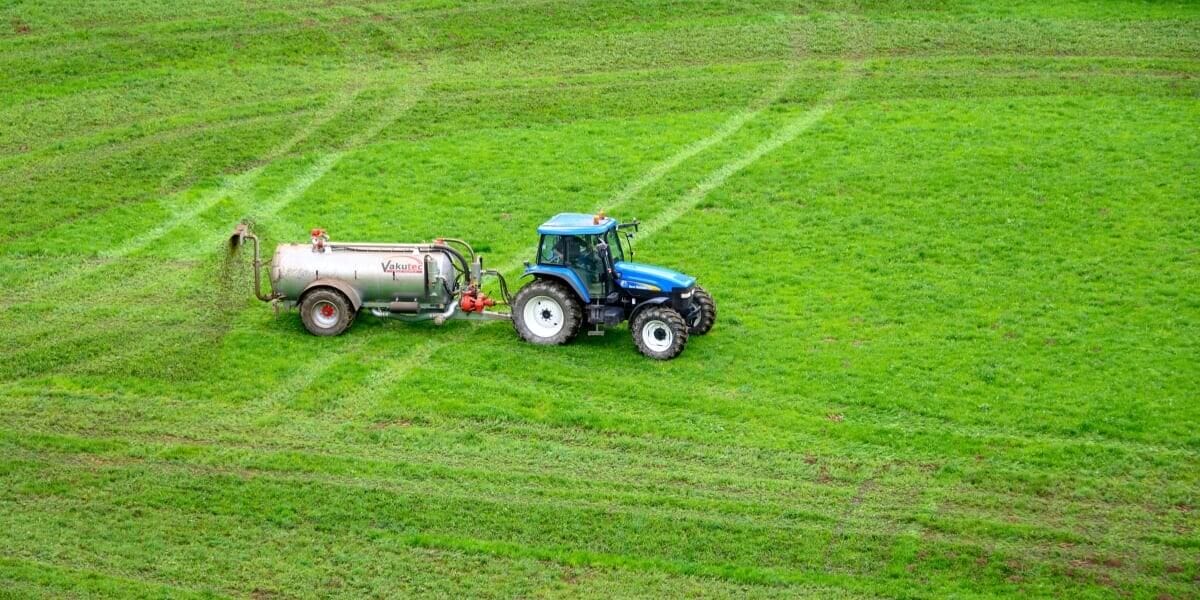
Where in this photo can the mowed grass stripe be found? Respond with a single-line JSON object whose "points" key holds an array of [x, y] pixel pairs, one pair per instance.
{"points": [[718, 552], [1009, 477], [1007, 535], [668, 477], [1028, 467], [812, 499], [474, 487], [20, 576], [1084, 552], [1004, 535], [974, 551], [328, 556]]}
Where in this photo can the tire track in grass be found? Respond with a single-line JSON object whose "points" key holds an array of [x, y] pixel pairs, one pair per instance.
{"points": [[238, 185], [790, 131], [729, 127], [387, 375], [103, 150], [840, 532], [314, 173], [308, 373], [169, 124], [232, 186], [311, 370], [321, 364], [267, 210]]}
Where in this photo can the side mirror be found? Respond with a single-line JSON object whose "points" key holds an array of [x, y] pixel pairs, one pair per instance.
{"points": [[605, 257]]}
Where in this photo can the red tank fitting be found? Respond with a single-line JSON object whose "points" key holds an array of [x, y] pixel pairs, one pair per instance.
{"points": [[474, 300], [319, 237]]}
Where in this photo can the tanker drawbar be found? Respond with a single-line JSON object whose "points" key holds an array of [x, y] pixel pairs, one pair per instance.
{"points": [[332, 281]]}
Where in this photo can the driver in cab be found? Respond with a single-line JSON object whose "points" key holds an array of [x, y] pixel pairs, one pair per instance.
{"points": [[577, 252]]}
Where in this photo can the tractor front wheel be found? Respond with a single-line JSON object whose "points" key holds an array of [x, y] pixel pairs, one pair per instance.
{"points": [[547, 312], [659, 332], [706, 314]]}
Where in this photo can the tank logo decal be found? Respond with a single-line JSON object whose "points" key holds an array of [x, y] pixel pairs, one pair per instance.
{"points": [[403, 264]]}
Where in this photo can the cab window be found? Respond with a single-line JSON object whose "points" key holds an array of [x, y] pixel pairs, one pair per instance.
{"points": [[550, 251], [613, 239]]}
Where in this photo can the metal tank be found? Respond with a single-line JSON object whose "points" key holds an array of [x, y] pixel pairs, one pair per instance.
{"points": [[399, 277]]}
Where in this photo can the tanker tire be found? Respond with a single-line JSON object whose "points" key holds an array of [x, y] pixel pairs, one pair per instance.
{"points": [[659, 332], [326, 312], [703, 322], [556, 322]]}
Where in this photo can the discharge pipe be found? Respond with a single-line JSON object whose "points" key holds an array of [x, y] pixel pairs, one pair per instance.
{"points": [[240, 234]]}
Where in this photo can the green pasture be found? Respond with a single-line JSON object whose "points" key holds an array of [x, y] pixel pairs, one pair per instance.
{"points": [[955, 248]]}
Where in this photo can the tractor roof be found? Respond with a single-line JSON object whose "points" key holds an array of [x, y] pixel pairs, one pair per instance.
{"points": [[576, 224]]}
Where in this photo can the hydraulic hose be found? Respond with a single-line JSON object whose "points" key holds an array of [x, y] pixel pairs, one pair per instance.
{"points": [[466, 267], [463, 243], [503, 285]]}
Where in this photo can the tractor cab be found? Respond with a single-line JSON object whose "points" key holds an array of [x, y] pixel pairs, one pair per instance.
{"points": [[585, 273], [571, 246]]}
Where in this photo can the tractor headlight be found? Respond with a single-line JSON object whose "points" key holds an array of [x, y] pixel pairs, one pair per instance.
{"points": [[687, 294]]}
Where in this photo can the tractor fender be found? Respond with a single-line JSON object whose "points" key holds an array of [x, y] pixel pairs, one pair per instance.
{"points": [[346, 289], [563, 274], [655, 301]]}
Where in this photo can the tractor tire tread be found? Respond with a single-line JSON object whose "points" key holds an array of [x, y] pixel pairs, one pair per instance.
{"points": [[669, 316], [572, 312], [708, 314]]}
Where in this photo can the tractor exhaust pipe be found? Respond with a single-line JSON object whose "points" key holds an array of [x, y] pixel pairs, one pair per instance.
{"points": [[240, 234]]}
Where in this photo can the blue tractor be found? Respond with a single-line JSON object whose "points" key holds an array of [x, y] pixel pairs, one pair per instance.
{"points": [[584, 273]]}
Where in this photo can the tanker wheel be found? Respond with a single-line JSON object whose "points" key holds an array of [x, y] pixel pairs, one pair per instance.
{"points": [[547, 312], [659, 332], [702, 320], [326, 312]]}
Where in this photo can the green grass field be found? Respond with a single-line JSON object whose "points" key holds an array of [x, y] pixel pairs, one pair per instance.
{"points": [[955, 246]]}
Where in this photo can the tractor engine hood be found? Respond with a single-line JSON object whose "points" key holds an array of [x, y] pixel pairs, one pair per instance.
{"points": [[638, 276]]}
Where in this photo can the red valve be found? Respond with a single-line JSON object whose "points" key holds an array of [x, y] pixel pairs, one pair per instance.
{"points": [[318, 239], [474, 300]]}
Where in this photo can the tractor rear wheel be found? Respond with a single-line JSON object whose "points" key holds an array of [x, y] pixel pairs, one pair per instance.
{"points": [[702, 320], [547, 312], [326, 311], [659, 332]]}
